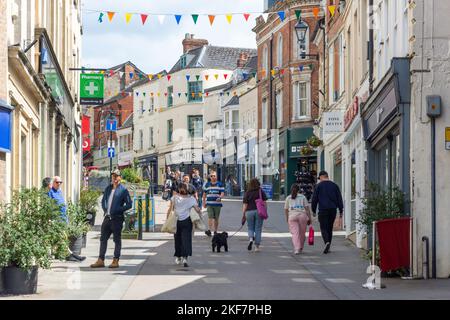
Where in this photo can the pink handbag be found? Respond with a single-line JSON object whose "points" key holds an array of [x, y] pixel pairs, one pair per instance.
{"points": [[261, 207]]}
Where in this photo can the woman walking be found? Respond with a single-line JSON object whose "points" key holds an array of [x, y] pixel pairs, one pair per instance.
{"points": [[250, 213], [298, 216], [182, 203]]}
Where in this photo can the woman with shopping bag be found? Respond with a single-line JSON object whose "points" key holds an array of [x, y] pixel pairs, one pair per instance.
{"points": [[181, 205], [298, 217]]}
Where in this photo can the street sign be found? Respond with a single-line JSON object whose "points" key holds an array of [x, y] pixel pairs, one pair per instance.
{"points": [[111, 152], [91, 89], [111, 125], [447, 138]]}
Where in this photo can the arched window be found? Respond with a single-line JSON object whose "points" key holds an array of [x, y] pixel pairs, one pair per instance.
{"points": [[280, 51]]}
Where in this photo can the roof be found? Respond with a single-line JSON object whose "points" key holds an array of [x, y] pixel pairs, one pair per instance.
{"points": [[212, 57], [122, 65], [127, 89], [252, 64], [222, 87], [233, 102], [128, 122]]}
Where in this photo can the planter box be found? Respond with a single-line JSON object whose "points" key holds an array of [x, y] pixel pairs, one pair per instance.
{"points": [[2, 288], [84, 240], [130, 235], [20, 281], [75, 245]]}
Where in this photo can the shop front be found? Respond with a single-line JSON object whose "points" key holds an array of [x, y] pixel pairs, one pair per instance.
{"points": [[386, 121], [185, 160], [149, 167], [247, 162]]}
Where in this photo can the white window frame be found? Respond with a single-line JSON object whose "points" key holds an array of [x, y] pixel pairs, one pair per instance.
{"points": [[279, 107], [296, 101], [280, 51], [264, 114], [234, 125], [141, 107], [152, 104], [341, 64]]}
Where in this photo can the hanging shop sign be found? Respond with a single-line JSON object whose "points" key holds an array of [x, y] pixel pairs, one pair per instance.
{"points": [[447, 138], [333, 122], [91, 89], [351, 113]]}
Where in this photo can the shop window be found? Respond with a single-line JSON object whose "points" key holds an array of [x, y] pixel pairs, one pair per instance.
{"points": [[235, 119]]}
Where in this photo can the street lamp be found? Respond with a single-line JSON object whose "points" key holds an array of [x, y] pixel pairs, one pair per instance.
{"points": [[300, 29]]}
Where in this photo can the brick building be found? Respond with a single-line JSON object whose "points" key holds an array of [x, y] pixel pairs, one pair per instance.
{"points": [[288, 91]]}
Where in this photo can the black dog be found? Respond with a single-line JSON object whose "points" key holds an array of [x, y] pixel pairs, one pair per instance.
{"points": [[219, 240]]}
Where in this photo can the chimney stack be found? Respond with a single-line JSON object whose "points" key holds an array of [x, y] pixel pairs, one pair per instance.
{"points": [[190, 43], [243, 58]]}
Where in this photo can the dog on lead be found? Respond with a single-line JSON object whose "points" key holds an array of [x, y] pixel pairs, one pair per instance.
{"points": [[219, 240]]}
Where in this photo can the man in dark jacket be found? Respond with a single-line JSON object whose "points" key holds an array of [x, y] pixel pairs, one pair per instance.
{"points": [[328, 196], [116, 200]]}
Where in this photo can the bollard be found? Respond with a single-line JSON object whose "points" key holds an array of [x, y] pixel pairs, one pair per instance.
{"points": [[147, 213], [140, 218]]}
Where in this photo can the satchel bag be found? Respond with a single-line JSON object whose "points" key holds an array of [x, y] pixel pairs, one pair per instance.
{"points": [[170, 226], [311, 236], [261, 207]]}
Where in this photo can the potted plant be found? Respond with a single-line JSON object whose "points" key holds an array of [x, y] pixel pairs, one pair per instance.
{"points": [[31, 232], [88, 203], [306, 150], [314, 141], [77, 227]]}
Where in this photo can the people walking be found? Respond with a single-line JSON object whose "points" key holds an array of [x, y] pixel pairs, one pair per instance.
{"points": [[54, 191], [116, 200], [197, 181], [298, 217], [191, 189], [181, 204], [212, 200], [250, 213], [329, 198]]}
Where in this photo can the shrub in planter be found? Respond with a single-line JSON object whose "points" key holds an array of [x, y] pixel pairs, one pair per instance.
{"points": [[31, 232], [88, 203], [77, 227]]}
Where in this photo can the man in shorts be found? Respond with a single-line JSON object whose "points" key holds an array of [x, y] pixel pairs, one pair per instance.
{"points": [[213, 193]]}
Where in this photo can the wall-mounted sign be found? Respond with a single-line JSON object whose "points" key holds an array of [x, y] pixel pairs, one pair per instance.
{"points": [[333, 122], [447, 138], [91, 89], [351, 113]]}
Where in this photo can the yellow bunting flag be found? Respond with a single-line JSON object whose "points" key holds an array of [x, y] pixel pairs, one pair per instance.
{"points": [[150, 76], [110, 15], [211, 19], [159, 76], [229, 18], [200, 94], [316, 11], [332, 10], [273, 72], [128, 17], [216, 76], [159, 93]]}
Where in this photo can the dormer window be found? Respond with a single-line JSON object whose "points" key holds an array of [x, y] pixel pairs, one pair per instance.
{"points": [[183, 61]]}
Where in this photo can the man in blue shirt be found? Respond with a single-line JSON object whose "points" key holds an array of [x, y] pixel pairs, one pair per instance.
{"points": [[213, 193]]}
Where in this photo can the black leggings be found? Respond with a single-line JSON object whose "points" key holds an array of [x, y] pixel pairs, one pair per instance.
{"points": [[326, 220], [183, 238]]}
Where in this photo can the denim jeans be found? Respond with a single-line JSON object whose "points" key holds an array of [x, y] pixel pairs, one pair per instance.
{"points": [[254, 225]]}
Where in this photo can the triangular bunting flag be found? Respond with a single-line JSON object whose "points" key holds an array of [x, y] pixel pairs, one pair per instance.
{"points": [[195, 18], [234, 93], [179, 95], [143, 93], [159, 76], [211, 19], [193, 94], [221, 94], [246, 16], [207, 93], [254, 74], [311, 66], [273, 72], [111, 73], [316, 11], [281, 14], [144, 18], [197, 77], [263, 73], [165, 94], [282, 71], [161, 18], [151, 93], [158, 94], [100, 17], [178, 18], [265, 16], [206, 77], [225, 76], [228, 93], [128, 17], [200, 94], [298, 14], [188, 77], [229, 17], [186, 94], [110, 15], [300, 68], [169, 77], [131, 75], [332, 10], [216, 76], [123, 94], [137, 93], [150, 77], [140, 76], [121, 74]]}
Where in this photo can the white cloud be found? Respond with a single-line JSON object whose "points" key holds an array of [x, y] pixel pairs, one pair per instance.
{"points": [[153, 47]]}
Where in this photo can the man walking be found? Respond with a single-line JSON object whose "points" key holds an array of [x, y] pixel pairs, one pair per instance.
{"points": [[116, 200], [329, 198], [54, 192], [212, 201], [190, 187], [198, 185]]}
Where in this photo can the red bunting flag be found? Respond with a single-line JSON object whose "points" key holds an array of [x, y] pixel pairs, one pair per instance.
{"points": [[207, 93], [144, 18], [225, 76], [169, 77], [165, 94], [111, 73], [282, 71], [246, 16]]}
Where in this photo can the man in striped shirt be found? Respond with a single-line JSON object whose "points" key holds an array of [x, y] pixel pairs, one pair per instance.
{"points": [[213, 193]]}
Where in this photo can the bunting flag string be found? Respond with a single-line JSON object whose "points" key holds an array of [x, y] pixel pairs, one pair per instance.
{"points": [[282, 15]]}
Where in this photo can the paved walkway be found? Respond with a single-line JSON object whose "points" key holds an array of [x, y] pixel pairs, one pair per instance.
{"points": [[148, 271]]}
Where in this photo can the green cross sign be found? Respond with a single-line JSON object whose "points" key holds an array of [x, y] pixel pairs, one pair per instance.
{"points": [[91, 89]]}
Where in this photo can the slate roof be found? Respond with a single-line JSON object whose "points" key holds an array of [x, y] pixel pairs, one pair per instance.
{"points": [[252, 64], [212, 57], [233, 102]]}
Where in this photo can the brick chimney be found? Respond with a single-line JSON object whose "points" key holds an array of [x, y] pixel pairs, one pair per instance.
{"points": [[190, 43], [243, 58]]}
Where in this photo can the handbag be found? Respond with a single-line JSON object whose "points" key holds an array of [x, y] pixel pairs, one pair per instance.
{"points": [[311, 236], [170, 226], [261, 207]]}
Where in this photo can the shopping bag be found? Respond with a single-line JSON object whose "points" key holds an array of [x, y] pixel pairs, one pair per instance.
{"points": [[170, 226], [199, 225], [261, 207], [311, 236], [337, 223]]}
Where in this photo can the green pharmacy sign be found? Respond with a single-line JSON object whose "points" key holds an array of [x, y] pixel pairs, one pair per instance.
{"points": [[91, 89]]}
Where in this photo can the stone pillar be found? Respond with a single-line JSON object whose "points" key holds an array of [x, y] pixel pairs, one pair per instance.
{"points": [[3, 96]]}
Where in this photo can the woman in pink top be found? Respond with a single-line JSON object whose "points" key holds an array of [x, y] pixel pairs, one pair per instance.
{"points": [[298, 217]]}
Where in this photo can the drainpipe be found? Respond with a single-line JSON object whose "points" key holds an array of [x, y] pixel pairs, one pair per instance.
{"points": [[370, 46], [270, 82]]}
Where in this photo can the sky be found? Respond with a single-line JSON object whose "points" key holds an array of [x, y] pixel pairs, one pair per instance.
{"points": [[153, 47]]}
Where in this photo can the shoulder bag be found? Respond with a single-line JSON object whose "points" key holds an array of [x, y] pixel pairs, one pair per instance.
{"points": [[261, 207], [170, 226]]}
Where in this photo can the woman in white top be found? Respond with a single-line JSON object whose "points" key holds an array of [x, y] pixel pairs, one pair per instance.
{"points": [[298, 217], [182, 203]]}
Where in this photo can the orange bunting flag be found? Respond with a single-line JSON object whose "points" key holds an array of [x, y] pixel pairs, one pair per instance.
{"points": [[234, 93], [246, 16], [316, 11], [151, 93], [168, 77], [193, 94], [273, 72], [128, 17], [144, 18], [332, 10], [211, 19], [263, 73], [229, 17], [206, 77], [216, 76], [110, 15]]}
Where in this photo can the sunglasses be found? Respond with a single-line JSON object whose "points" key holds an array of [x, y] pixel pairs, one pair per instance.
{"points": [[58, 182]]}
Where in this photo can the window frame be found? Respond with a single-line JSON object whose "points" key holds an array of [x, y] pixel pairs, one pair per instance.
{"points": [[297, 105], [170, 131], [169, 96], [196, 97], [280, 51], [192, 130]]}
